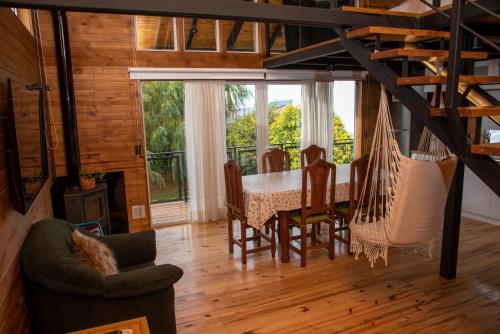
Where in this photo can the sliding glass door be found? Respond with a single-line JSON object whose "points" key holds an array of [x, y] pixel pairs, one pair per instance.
{"points": [[343, 121], [163, 105], [284, 108], [241, 126]]}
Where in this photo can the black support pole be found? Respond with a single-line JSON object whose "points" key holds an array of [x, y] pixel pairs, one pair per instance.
{"points": [[453, 212], [67, 94], [451, 228]]}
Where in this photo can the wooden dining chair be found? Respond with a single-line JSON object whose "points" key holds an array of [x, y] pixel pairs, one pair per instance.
{"points": [[236, 211], [275, 160], [345, 211], [311, 154], [321, 209]]}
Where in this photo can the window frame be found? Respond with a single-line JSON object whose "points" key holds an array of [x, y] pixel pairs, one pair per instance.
{"points": [[217, 39], [176, 44]]}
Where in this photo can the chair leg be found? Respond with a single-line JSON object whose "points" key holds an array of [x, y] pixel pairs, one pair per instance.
{"points": [[318, 228], [243, 243], [314, 239], [349, 241], [303, 245], [279, 231], [267, 229], [273, 238], [259, 237], [331, 241], [230, 232]]}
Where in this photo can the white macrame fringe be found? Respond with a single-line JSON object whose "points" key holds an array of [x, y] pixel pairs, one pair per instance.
{"points": [[372, 250]]}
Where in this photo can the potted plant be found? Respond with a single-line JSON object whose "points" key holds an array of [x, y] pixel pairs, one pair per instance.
{"points": [[32, 185], [88, 180]]}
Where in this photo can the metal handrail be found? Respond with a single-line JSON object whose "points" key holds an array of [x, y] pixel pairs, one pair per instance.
{"points": [[234, 152], [463, 26]]}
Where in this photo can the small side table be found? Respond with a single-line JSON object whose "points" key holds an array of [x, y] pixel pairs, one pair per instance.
{"points": [[138, 326]]}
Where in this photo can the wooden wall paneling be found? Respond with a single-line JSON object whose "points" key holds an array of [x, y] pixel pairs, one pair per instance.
{"points": [[18, 60], [109, 109], [370, 106]]}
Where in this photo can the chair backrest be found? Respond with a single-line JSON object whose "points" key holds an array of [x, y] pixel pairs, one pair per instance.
{"points": [[317, 177], [359, 171], [234, 187], [275, 160], [311, 154]]}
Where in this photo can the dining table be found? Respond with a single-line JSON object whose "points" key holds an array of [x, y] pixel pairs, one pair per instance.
{"points": [[268, 194]]}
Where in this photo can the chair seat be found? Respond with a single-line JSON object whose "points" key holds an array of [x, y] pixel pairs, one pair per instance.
{"points": [[342, 209], [295, 218]]}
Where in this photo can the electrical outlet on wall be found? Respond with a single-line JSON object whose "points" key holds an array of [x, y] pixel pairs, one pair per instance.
{"points": [[138, 211]]}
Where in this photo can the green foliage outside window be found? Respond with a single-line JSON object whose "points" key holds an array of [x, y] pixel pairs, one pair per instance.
{"points": [[163, 104]]}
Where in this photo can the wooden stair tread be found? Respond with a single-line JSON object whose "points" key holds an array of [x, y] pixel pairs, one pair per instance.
{"points": [[396, 34], [435, 79], [424, 54], [470, 111], [492, 149]]}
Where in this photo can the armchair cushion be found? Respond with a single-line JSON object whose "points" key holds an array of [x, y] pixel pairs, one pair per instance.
{"points": [[132, 248]]}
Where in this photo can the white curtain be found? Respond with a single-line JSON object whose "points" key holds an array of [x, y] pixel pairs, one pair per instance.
{"points": [[206, 148], [317, 116], [262, 120]]}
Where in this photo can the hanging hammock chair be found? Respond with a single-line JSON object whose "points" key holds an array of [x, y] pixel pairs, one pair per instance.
{"points": [[403, 200]]}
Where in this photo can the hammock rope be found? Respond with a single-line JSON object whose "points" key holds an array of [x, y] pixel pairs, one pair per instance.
{"points": [[377, 223]]}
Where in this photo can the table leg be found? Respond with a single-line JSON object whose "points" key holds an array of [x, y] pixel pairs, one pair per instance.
{"points": [[284, 233]]}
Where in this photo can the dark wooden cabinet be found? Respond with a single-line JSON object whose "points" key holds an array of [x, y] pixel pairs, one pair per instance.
{"points": [[88, 205]]}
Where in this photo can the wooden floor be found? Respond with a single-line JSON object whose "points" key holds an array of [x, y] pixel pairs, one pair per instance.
{"points": [[219, 295], [169, 213]]}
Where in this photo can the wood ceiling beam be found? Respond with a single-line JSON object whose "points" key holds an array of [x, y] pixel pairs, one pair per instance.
{"points": [[219, 9], [192, 30], [233, 36], [318, 50]]}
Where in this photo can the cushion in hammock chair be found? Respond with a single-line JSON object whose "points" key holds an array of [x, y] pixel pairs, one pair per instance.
{"points": [[419, 206]]}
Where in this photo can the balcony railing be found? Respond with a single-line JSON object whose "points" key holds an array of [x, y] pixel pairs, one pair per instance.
{"points": [[168, 172]]}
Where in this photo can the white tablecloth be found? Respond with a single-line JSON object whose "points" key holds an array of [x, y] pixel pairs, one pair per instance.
{"points": [[266, 194]]}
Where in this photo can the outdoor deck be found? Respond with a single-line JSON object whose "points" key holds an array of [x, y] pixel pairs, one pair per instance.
{"points": [[169, 213]]}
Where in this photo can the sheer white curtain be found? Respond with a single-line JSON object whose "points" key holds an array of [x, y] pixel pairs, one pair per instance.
{"points": [[317, 115], [206, 148], [262, 120]]}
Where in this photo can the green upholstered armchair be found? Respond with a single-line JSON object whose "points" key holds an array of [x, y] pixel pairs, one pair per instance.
{"points": [[65, 295]]}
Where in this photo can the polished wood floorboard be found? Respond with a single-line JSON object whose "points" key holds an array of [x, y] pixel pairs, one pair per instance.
{"points": [[219, 295]]}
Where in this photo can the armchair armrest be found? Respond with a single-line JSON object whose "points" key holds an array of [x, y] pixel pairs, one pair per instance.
{"points": [[132, 248], [141, 281]]}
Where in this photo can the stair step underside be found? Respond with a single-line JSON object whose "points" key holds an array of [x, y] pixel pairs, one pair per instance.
{"points": [[397, 34], [469, 111], [377, 11], [492, 149], [435, 79], [422, 54]]}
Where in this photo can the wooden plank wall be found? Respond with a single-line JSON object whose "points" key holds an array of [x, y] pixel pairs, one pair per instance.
{"points": [[369, 99], [18, 60], [109, 111]]}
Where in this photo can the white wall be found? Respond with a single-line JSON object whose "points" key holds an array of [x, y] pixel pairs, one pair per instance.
{"points": [[478, 201]]}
